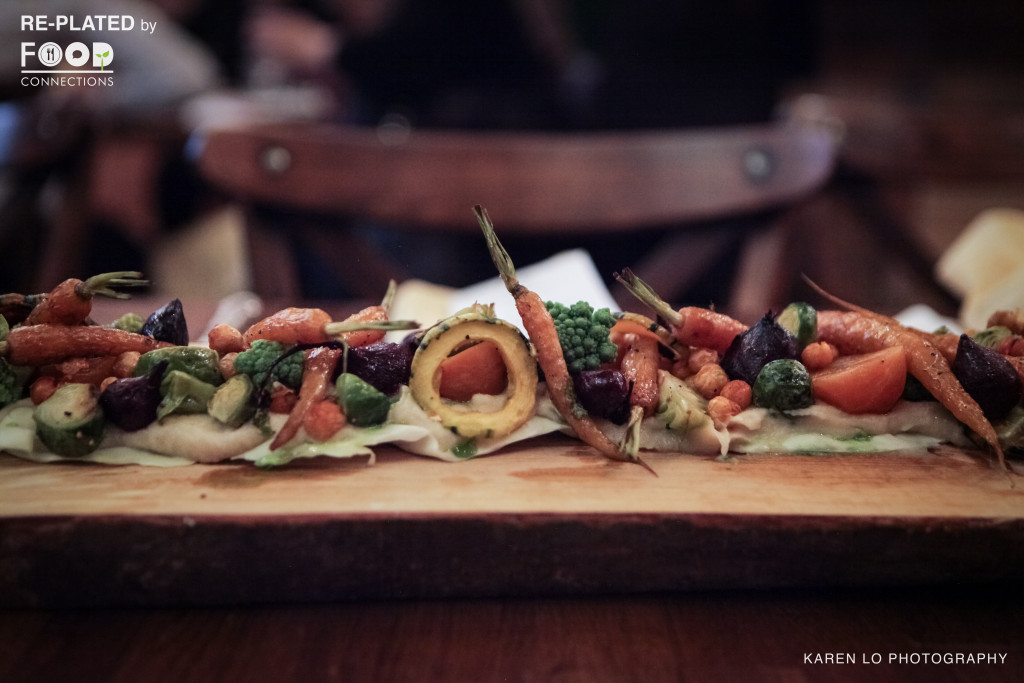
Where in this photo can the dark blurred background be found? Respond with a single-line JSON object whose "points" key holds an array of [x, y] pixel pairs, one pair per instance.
{"points": [[100, 180]]}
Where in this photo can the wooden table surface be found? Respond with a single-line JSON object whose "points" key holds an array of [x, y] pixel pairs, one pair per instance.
{"points": [[684, 635], [718, 636]]}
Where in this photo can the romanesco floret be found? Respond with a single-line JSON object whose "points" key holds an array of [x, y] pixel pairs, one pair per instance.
{"points": [[11, 384], [583, 334], [257, 359]]}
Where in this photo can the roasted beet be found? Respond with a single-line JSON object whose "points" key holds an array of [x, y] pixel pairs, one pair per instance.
{"points": [[603, 393], [753, 349], [988, 377], [384, 365], [131, 402], [168, 324]]}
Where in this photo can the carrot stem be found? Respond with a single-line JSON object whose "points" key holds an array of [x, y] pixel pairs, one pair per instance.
{"points": [[646, 294], [104, 284], [341, 327]]}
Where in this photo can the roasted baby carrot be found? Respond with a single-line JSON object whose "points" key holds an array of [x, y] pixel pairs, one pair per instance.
{"points": [[314, 325], [541, 329], [35, 345], [291, 325], [316, 377], [370, 314], [70, 302], [639, 366], [698, 327]]}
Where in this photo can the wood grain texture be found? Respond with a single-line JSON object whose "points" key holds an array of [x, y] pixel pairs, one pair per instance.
{"points": [[733, 636], [537, 182], [549, 518]]}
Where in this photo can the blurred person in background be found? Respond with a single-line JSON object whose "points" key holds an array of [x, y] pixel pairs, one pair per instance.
{"points": [[534, 64], [539, 64]]}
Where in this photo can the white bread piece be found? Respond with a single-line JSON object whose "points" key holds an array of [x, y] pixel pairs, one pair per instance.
{"points": [[990, 248], [1003, 294]]}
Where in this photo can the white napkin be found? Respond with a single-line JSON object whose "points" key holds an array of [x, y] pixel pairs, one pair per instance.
{"points": [[566, 277]]}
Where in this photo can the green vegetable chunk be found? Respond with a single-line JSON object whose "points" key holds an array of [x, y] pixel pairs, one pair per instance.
{"points": [[129, 322], [257, 360], [71, 422], [800, 320], [198, 361], [992, 337], [184, 394], [783, 385], [362, 403], [1010, 431], [583, 335], [12, 384], [679, 406], [233, 403]]}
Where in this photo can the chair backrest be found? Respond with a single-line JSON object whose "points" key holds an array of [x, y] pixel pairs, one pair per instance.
{"points": [[896, 140], [532, 183], [535, 182]]}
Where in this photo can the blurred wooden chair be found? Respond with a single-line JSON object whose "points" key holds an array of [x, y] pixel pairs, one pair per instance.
{"points": [[892, 149], [540, 184], [39, 156]]}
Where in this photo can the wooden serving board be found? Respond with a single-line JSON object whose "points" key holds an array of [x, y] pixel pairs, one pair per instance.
{"points": [[547, 518]]}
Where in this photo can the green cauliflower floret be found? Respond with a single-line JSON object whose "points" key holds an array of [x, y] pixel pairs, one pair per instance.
{"points": [[12, 385], [257, 359], [583, 334]]}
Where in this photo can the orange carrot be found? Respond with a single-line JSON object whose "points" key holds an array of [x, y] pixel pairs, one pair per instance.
{"points": [[35, 345], [630, 325], [541, 329], [640, 368], [92, 370], [314, 325], [478, 369], [370, 314], [291, 326], [316, 376], [704, 328], [70, 302], [698, 327]]}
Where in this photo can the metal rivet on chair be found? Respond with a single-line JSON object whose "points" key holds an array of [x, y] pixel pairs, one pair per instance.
{"points": [[758, 164], [276, 160]]}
